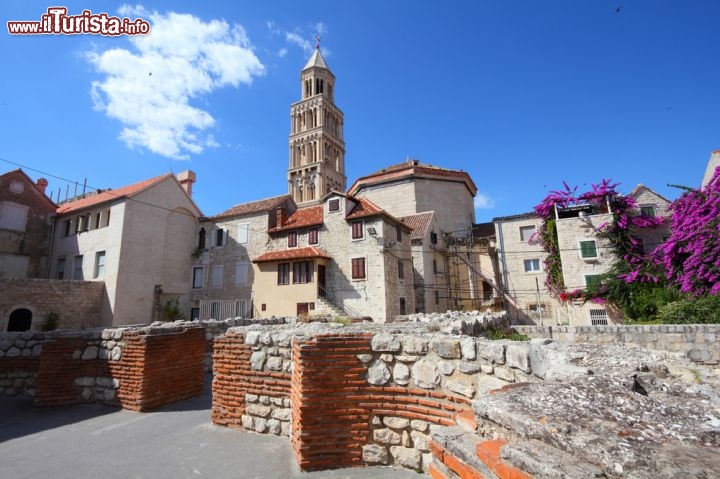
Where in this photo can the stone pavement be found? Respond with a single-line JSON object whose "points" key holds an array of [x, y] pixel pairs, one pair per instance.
{"points": [[176, 441]]}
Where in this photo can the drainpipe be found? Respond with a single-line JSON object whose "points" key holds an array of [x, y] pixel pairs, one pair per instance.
{"points": [[50, 249]]}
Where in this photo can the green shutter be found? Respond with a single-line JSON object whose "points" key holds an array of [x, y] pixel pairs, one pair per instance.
{"points": [[588, 249]]}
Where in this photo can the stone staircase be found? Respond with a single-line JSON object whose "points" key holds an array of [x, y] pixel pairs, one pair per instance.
{"points": [[323, 307]]}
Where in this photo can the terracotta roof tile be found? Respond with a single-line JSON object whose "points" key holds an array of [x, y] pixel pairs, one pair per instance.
{"points": [[253, 207], [301, 218], [419, 223], [364, 208], [292, 253], [412, 168], [110, 195]]}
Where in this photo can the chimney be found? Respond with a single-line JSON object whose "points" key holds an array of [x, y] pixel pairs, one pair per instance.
{"points": [[42, 184], [280, 217], [186, 179]]}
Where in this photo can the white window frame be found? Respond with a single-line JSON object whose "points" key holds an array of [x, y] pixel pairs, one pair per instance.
{"points": [[216, 276], [243, 233], [202, 277], [240, 265], [526, 228], [652, 207], [598, 317], [531, 262], [588, 258], [99, 270]]}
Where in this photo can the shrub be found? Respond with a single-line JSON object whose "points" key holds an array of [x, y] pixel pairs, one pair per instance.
{"points": [[52, 322], [704, 310]]}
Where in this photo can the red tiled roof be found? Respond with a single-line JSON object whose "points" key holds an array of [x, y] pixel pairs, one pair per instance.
{"points": [[258, 206], [110, 195], [293, 253], [412, 168], [301, 218], [364, 208], [419, 224]]}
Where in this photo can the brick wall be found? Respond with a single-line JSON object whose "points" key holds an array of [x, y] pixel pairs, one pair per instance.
{"points": [[138, 369], [77, 302]]}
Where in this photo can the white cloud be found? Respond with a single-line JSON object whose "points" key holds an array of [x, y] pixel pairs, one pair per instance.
{"points": [[483, 202], [282, 52], [273, 28], [320, 28], [149, 87], [299, 41]]}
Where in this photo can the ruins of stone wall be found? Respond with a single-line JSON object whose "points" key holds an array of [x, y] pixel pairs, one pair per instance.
{"points": [[78, 303], [698, 341], [135, 368], [358, 396]]}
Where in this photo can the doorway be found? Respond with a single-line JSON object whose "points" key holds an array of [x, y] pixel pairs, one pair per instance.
{"points": [[20, 320], [321, 280]]}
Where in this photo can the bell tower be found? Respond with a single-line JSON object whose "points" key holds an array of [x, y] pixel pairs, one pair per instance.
{"points": [[317, 148]]}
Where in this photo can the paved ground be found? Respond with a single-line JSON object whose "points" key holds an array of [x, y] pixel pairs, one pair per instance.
{"points": [[178, 441]]}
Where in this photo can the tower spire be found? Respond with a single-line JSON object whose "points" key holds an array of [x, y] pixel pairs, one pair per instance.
{"points": [[317, 148]]}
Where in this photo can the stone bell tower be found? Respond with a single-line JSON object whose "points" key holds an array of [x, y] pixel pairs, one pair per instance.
{"points": [[317, 148]]}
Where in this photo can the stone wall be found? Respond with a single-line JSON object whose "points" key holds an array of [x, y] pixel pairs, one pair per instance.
{"points": [[135, 368], [78, 303], [358, 395], [698, 341]]}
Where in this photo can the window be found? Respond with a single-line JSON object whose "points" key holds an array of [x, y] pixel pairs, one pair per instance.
{"points": [[532, 265], [215, 310], [526, 233], [647, 210], [98, 219], [398, 233], [588, 249], [433, 237], [86, 223], [194, 313], [13, 216], [334, 205], [292, 239], [284, 273], [598, 317], [403, 309], [357, 229], [68, 228], [77, 268], [358, 268], [437, 297], [202, 238], [303, 272], [241, 273], [106, 217], [198, 277], [263, 307], [17, 187], [78, 224], [435, 266], [220, 237], [99, 264], [592, 280], [243, 233], [240, 308], [401, 270], [216, 276], [313, 236], [60, 268]]}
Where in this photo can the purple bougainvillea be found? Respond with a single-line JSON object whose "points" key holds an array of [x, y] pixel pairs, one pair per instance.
{"points": [[691, 255]]}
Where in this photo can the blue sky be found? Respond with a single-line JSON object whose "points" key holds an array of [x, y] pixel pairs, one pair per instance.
{"points": [[521, 94]]}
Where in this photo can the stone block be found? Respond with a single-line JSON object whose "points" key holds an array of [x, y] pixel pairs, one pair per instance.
{"points": [[387, 436], [468, 368], [385, 342], [282, 414], [446, 367], [252, 338], [378, 373], [260, 424], [375, 454], [505, 373], [257, 360], [467, 346], [419, 425], [464, 387], [517, 356], [401, 374], [396, 422], [273, 427], [258, 410], [275, 363], [414, 345], [420, 441], [425, 374], [493, 351], [407, 457], [446, 348]]}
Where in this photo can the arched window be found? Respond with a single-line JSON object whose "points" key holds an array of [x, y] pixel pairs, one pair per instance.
{"points": [[202, 237], [20, 320]]}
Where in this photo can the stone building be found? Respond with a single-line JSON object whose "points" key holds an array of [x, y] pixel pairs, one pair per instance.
{"points": [[583, 255], [713, 164], [25, 226], [138, 239]]}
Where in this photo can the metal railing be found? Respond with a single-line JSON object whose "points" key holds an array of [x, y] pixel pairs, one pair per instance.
{"points": [[325, 294]]}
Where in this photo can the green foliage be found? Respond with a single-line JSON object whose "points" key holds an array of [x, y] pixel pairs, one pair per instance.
{"points": [[52, 322], [639, 302], [171, 310], [704, 310], [497, 334], [344, 320]]}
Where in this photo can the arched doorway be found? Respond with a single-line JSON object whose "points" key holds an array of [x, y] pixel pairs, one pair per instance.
{"points": [[20, 320]]}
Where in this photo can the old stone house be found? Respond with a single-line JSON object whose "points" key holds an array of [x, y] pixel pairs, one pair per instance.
{"points": [[138, 239], [583, 256], [25, 226]]}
